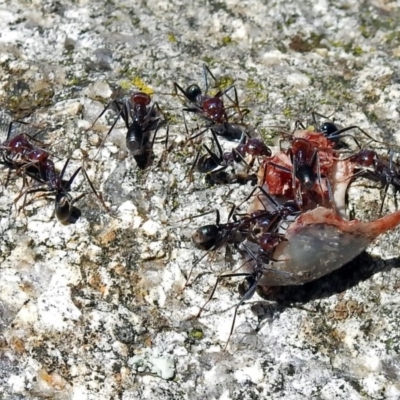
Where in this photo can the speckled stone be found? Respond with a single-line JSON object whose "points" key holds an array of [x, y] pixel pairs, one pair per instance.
{"points": [[96, 309]]}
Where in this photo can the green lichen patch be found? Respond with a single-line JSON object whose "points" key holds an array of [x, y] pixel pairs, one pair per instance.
{"points": [[196, 334]]}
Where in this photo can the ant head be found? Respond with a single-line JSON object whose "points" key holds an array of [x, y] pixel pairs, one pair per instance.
{"points": [[205, 237], [327, 128], [192, 92], [140, 98]]}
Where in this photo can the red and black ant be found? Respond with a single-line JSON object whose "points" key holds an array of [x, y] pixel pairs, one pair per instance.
{"points": [[387, 173], [212, 108], [335, 134], [20, 154], [210, 237], [141, 118], [34, 162], [261, 233], [305, 172], [214, 164], [53, 183]]}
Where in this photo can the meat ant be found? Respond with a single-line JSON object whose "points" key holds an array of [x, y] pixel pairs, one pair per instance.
{"points": [[214, 164], [212, 237], [266, 221], [385, 173], [334, 133], [20, 154], [212, 108], [34, 162], [304, 170], [54, 183], [140, 118]]}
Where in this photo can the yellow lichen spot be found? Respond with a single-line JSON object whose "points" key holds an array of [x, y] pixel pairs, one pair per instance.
{"points": [[310, 128], [226, 40], [196, 334], [252, 84], [357, 51], [225, 81], [142, 86], [287, 112], [172, 38], [125, 85], [74, 81]]}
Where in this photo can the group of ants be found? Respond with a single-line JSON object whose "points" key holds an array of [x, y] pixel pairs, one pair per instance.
{"points": [[222, 116]]}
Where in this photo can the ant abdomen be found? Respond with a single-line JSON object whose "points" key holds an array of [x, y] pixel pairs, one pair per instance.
{"points": [[63, 208], [305, 175], [257, 147], [134, 139], [364, 158]]}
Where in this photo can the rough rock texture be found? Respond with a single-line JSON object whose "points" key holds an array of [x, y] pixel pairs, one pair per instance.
{"points": [[95, 310]]}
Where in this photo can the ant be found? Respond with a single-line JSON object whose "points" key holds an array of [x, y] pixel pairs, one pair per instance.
{"points": [[65, 211], [140, 119], [260, 229], [214, 164], [386, 173], [33, 162], [20, 154], [305, 169], [212, 108], [267, 242], [334, 133], [212, 237]]}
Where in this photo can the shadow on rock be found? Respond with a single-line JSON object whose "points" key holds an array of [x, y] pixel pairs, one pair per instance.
{"points": [[358, 270]]}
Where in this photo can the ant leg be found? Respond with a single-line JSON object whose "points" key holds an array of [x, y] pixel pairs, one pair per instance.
{"points": [[10, 125], [198, 134], [383, 199], [25, 194], [219, 279], [122, 112], [206, 71], [189, 138], [235, 102], [248, 295], [214, 135], [315, 161], [218, 162], [299, 124], [93, 189], [164, 155], [315, 114], [178, 89], [161, 122]]}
